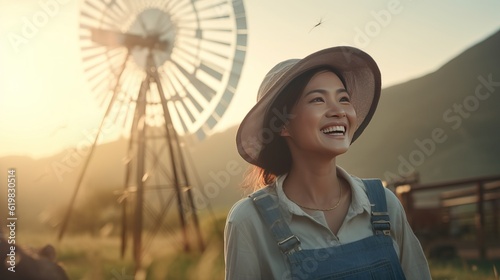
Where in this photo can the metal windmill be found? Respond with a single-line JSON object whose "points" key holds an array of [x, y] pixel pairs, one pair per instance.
{"points": [[163, 69]]}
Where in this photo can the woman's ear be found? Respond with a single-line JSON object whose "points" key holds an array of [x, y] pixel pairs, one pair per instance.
{"points": [[284, 131]]}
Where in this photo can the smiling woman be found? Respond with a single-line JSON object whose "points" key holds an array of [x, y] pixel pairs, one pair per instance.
{"points": [[309, 218], [309, 131]]}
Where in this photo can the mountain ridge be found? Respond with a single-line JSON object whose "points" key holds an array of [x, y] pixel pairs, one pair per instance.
{"points": [[439, 125]]}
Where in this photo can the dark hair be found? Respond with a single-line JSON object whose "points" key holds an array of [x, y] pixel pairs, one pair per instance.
{"points": [[275, 158]]}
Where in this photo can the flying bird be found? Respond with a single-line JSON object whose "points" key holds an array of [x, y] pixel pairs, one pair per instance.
{"points": [[317, 24]]}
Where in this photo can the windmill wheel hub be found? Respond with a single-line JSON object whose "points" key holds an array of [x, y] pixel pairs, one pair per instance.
{"points": [[157, 33], [195, 49]]}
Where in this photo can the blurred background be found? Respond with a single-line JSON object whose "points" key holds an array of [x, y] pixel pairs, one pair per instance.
{"points": [[107, 107]]}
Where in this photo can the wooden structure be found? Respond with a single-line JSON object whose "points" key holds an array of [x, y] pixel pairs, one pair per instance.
{"points": [[482, 194]]}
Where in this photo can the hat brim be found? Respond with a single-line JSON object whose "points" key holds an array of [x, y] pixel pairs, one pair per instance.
{"points": [[362, 80]]}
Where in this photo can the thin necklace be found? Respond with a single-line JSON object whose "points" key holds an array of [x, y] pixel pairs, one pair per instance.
{"points": [[326, 209]]}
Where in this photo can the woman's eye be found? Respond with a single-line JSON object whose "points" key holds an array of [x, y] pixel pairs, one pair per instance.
{"points": [[317, 99], [345, 99]]}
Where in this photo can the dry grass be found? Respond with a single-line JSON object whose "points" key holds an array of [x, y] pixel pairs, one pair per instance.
{"points": [[94, 258], [461, 269], [98, 258]]}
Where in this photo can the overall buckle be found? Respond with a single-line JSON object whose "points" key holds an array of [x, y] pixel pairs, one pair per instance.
{"points": [[290, 245]]}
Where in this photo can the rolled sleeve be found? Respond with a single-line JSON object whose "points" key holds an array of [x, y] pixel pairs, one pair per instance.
{"points": [[239, 251], [411, 255]]}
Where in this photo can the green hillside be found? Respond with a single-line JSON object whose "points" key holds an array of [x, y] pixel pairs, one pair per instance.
{"points": [[445, 125], [459, 104]]}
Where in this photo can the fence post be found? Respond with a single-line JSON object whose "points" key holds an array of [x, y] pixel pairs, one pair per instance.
{"points": [[495, 210], [480, 220]]}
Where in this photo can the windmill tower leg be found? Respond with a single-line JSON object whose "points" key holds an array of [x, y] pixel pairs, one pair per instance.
{"points": [[140, 131], [182, 189], [174, 139], [178, 164]]}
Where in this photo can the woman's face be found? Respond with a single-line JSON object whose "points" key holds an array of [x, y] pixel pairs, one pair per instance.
{"points": [[324, 120]]}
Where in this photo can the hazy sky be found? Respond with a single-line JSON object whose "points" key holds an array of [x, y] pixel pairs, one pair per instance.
{"points": [[46, 105]]}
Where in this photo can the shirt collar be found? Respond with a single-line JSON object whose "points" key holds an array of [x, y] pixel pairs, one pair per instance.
{"points": [[359, 200]]}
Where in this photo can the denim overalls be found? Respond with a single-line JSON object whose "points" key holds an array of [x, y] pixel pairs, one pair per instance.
{"points": [[373, 257]]}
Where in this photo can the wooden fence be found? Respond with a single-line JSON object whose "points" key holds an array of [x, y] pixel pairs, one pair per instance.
{"points": [[476, 193]]}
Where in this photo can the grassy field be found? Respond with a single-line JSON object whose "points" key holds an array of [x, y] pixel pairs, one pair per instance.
{"points": [[97, 258]]}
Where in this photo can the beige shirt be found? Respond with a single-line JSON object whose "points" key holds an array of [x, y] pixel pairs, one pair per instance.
{"points": [[252, 253]]}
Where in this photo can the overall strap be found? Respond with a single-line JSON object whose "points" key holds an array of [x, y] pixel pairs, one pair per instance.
{"points": [[379, 217], [269, 211]]}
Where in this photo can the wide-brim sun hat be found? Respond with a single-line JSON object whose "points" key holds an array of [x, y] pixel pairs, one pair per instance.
{"points": [[358, 70]]}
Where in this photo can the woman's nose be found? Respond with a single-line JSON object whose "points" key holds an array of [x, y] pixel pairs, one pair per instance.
{"points": [[335, 111]]}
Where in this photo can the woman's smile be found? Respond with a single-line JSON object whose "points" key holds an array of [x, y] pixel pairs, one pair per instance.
{"points": [[322, 113]]}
